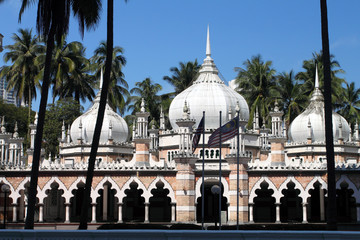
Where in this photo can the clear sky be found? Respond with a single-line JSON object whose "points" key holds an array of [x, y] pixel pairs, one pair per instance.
{"points": [[158, 34]]}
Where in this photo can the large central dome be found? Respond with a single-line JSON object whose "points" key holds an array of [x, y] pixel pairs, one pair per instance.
{"points": [[208, 93]]}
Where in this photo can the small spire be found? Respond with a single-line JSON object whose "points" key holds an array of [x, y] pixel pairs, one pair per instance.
{"points": [[110, 130], [16, 134], [101, 79], [276, 108], [208, 50], [142, 105], [185, 111], [3, 129], [316, 77]]}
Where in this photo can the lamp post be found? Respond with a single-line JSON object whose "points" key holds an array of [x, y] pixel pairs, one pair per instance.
{"points": [[5, 189]]}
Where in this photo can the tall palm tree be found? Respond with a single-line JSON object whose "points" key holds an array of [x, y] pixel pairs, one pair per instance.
{"points": [[292, 98], [350, 109], [118, 88], [331, 208], [70, 72], [256, 82], [183, 77], [22, 75], [100, 115], [52, 23], [149, 92], [307, 77]]}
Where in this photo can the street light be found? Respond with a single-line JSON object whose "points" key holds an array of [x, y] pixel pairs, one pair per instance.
{"points": [[5, 189]]}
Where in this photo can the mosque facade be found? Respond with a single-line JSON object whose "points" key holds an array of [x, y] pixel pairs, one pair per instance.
{"points": [[156, 177]]}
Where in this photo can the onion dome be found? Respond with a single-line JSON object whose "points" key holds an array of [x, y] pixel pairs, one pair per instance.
{"points": [[210, 94], [311, 123], [114, 126]]}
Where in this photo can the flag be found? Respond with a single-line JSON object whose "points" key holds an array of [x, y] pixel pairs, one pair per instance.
{"points": [[227, 131], [197, 135]]}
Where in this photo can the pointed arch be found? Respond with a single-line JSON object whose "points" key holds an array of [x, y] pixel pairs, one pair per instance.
{"points": [[42, 194], [121, 194], [344, 178], [311, 186], [166, 186], [101, 184], [74, 186], [223, 181], [22, 187], [297, 186], [14, 195], [256, 186]]}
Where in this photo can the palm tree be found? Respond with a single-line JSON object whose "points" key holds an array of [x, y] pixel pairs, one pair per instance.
{"points": [[70, 72], [182, 78], [52, 23], [148, 91], [350, 109], [100, 115], [292, 98], [256, 82], [307, 77], [22, 75], [118, 88]]}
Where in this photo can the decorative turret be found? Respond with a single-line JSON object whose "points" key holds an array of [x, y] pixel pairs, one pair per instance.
{"points": [[16, 134], [162, 119], [3, 129], [185, 130], [309, 137], [276, 121]]}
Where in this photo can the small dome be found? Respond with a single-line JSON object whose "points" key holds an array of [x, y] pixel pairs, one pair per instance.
{"points": [[86, 122], [208, 93], [314, 117]]}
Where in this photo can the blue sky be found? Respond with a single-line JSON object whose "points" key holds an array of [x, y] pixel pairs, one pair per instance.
{"points": [[158, 34]]}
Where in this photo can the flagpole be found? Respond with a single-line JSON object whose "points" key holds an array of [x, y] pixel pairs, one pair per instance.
{"points": [[237, 173], [203, 178], [220, 178]]}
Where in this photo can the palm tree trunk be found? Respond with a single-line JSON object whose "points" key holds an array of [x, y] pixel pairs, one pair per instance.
{"points": [[331, 206], [100, 117], [29, 224]]}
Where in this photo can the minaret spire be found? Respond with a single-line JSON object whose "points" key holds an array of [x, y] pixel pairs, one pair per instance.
{"points": [[316, 77], [208, 49]]}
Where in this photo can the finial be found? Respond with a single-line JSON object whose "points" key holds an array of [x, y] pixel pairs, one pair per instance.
{"points": [[237, 108], [101, 79], [276, 108], [16, 134], [36, 118], [316, 77], [142, 105], [63, 126], [185, 110], [110, 130], [309, 123], [80, 124], [161, 111], [208, 50]]}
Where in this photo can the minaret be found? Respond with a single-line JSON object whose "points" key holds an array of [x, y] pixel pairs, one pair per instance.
{"points": [[142, 140], [162, 119], [277, 138]]}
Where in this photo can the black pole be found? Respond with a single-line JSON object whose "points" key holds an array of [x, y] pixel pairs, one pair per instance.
{"points": [[220, 195], [331, 207], [203, 177]]}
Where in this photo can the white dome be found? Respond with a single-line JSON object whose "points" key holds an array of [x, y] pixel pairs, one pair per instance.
{"points": [[119, 128], [208, 93], [314, 117]]}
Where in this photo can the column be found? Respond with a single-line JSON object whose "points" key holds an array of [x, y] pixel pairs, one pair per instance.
{"points": [[120, 213], [41, 212], [304, 204], [21, 206], [322, 206], [251, 212], [93, 215], [358, 212], [173, 212], [14, 212], [25, 212], [105, 202], [277, 212], [67, 212], [147, 212]]}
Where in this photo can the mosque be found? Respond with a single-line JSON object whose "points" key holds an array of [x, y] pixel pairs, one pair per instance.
{"points": [[156, 177]]}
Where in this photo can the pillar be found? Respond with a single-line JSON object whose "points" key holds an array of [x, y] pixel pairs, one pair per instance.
{"points": [[173, 212], [277, 212], [67, 212], [120, 213], [358, 212], [251, 212], [93, 215], [304, 205], [25, 212], [14, 212], [147, 212], [21, 206], [105, 202], [322, 205], [41, 212]]}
